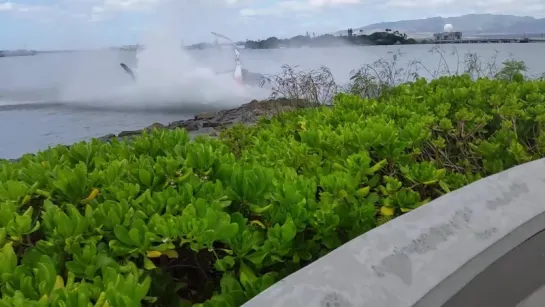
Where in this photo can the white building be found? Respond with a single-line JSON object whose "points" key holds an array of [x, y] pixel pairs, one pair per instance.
{"points": [[448, 34]]}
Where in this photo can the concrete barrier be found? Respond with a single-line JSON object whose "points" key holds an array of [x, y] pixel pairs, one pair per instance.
{"points": [[482, 245]]}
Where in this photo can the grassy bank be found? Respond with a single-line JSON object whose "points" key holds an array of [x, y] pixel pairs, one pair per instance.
{"points": [[162, 221]]}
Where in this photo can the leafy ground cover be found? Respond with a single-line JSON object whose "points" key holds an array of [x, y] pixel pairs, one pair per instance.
{"points": [[162, 221]]}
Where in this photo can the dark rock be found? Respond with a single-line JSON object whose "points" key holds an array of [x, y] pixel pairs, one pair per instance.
{"points": [[177, 124], [252, 104], [236, 119], [210, 124], [193, 125], [155, 126], [129, 133], [106, 138], [224, 125], [205, 115]]}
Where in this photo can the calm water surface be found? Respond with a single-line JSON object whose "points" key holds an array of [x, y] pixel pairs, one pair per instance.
{"points": [[62, 98]]}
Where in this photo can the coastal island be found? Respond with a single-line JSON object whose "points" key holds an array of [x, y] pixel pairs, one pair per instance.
{"points": [[386, 37], [20, 52]]}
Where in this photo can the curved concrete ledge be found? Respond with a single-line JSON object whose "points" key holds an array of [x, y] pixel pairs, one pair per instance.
{"points": [[477, 246]]}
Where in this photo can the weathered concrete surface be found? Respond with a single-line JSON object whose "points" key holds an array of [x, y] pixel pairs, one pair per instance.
{"points": [[508, 281], [425, 257], [536, 299]]}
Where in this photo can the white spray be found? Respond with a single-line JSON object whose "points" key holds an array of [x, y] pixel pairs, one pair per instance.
{"points": [[168, 75]]}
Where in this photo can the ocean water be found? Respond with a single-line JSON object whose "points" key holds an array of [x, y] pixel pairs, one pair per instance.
{"points": [[62, 98]]}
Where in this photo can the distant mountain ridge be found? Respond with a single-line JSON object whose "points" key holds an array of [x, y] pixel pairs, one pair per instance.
{"points": [[470, 24]]}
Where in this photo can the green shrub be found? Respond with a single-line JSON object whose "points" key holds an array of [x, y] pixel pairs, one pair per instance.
{"points": [[162, 221]]}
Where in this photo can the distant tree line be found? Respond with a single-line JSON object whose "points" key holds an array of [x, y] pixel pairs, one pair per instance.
{"points": [[387, 37]]}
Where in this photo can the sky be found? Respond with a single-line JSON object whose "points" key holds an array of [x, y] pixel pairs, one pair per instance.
{"points": [[76, 24]]}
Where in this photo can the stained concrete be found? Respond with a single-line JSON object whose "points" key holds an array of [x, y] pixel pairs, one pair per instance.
{"points": [[437, 255], [536, 299], [505, 283]]}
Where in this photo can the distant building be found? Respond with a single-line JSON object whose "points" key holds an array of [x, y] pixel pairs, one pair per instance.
{"points": [[447, 36]]}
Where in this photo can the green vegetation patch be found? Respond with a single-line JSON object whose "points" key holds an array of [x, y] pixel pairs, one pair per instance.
{"points": [[162, 221]]}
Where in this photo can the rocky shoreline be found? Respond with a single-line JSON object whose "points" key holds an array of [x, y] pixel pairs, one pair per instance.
{"points": [[212, 123]]}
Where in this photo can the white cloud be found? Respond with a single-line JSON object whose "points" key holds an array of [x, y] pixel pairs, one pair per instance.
{"points": [[247, 12], [147, 5], [295, 6], [277, 9], [514, 7], [321, 3], [232, 2], [40, 13], [130, 5], [529, 7], [418, 4], [16, 7], [97, 9], [282, 8], [105, 9], [6, 6]]}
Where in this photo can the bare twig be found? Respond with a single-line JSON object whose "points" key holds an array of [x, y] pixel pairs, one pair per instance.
{"points": [[373, 80]]}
